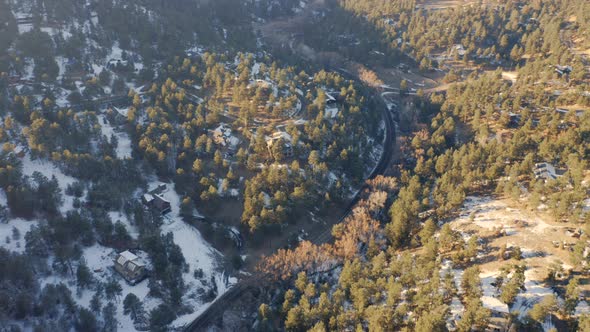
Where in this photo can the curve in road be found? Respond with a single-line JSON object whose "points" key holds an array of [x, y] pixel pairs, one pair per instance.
{"points": [[217, 308]]}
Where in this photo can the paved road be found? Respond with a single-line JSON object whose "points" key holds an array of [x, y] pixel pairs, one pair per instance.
{"points": [[217, 308]]}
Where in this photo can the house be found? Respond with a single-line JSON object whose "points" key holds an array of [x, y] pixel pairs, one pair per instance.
{"points": [[514, 119], [499, 320], [131, 267], [235, 235], [260, 84], [161, 204], [285, 138], [154, 200], [330, 99], [222, 135], [545, 171], [268, 86], [121, 112], [116, 63], [563, 70], [563, 111], [459, 49], [498, 324], [116, 115]]}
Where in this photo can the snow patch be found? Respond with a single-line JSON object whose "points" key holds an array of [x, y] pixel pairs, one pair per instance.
{"points": [[22, 225], [123, 149], [48, 169]]}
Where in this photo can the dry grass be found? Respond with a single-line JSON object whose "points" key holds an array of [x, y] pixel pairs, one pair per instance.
{"points": [[531, 230], [498, 222]]}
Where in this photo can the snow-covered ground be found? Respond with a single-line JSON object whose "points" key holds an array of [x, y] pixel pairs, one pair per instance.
{"points": [[61, 96], [99, 260], [123, 149], [48, 169], [131, 229], [534, 292], [456, 307], [6, 232], [376, 153], [490, 293], [528, 230], [490, 213], [198, 255], [582, 308], [25, 27]]}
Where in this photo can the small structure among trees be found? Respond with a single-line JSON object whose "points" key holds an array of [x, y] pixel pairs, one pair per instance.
{"points": [[222, 135], [154, 200], [546, 171], [280, 145], [131, 267]]}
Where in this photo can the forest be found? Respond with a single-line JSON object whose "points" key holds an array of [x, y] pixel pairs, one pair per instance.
{"points": [[484, 135], [250, 142], [170, 123]]}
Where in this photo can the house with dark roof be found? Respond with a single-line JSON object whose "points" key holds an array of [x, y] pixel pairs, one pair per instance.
{"points": [[155, 200], [545, 171], [563, 70]]}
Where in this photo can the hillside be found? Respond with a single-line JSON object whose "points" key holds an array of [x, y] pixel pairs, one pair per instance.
{"points": [[124, 146], [482, 225], [286, 165]]}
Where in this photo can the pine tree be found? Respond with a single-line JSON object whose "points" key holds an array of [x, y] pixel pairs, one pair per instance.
{"points": [[133, 307], [109, 313]]}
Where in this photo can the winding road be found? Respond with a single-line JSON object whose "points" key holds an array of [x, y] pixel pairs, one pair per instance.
{"points": [[215, 311], [221, 304]]}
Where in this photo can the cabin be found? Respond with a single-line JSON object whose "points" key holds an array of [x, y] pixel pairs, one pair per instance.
{"points": [[545, 171], [131, 267], [499, 320], [121, 114], [155, 200], [115, 116]]}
